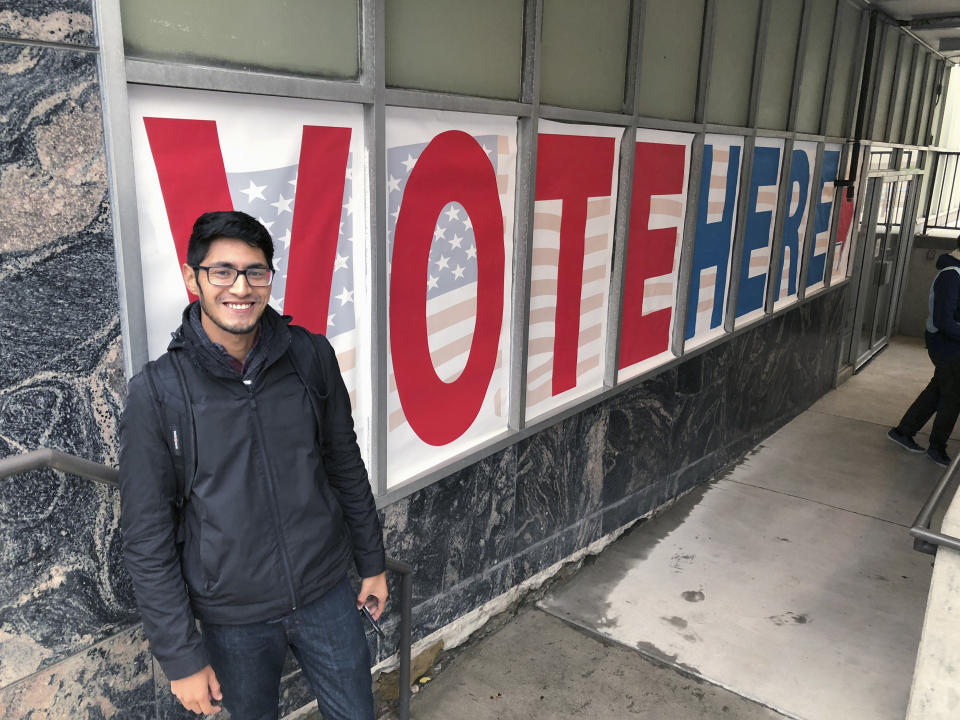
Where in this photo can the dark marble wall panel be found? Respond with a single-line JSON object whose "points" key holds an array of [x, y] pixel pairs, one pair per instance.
{"points": [[62, 585], [65, 21], [113, 679]]}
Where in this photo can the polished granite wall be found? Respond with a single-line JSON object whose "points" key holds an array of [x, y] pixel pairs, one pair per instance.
{"points": [[70, 645], [70, 642]]}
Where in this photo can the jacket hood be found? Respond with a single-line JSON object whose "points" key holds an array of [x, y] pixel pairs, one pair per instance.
{"points": [[273, 328], [950, 259]]}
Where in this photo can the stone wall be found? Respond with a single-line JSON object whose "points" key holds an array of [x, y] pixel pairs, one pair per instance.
{"points": [[70, 642]]}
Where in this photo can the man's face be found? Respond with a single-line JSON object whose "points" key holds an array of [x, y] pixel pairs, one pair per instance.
{"points": [[235, 309]]}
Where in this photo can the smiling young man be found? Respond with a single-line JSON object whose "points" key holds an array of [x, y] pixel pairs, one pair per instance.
{"points": [[244, 499]]}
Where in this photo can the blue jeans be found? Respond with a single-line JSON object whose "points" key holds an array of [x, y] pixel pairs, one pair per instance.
{"points": [[327, 639]]}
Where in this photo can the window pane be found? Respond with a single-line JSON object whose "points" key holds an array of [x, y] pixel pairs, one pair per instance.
{"points": [[899, 98], [295, 36], [848, 20], [816, 55], [731, 69], [670, 58], [888, 62], [583, 60], [457, 46], [913, 105], [779, 58]]}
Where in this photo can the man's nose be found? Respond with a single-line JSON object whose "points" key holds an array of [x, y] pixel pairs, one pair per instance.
{"points": [[240, 285]]}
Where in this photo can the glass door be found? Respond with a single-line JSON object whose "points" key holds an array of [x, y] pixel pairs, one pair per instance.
{"points": [[884, 234]]}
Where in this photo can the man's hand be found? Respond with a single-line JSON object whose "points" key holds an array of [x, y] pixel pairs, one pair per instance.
{"points": [[196, 691], [377, 587]]}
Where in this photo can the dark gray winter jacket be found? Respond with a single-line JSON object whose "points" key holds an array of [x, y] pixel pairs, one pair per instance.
{"points": [[278, 506]]}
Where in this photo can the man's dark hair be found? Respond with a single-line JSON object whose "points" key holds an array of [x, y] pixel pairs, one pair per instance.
{"points": [[227, 224]]}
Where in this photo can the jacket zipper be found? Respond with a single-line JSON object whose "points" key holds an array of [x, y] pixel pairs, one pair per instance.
{"points": [[274, 504]]}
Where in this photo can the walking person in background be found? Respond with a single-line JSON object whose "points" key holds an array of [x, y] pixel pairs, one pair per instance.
{"points": [[941, 396], [244, 499]]}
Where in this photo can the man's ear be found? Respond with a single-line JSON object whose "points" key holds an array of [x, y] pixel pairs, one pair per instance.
{"points": [[190, 279]]}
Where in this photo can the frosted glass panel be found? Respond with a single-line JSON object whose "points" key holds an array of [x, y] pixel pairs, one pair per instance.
{"points": [[898, 100], [734, 42], [848, 20], [293, 36], [816, 55], [456, 46], [779, 59], [926, 101], [583, 60], [670, 58], [913, 104], [888, 63]]}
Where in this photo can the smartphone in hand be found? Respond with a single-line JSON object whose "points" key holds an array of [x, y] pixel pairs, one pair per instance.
{"points": [[376, 626]]}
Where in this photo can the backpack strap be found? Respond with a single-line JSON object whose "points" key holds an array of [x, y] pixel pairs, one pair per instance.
{"points": [[187, 478], [307, 365], [181, 445]]}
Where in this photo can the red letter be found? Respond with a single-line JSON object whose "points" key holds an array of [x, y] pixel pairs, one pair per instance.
{"points": [[658, 170], [316, 225], [571, 168], [190, 169], [193, 181], [453, 167]]}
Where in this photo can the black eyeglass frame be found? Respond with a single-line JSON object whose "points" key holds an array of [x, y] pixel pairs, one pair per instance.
{"points": [[237, 273]]}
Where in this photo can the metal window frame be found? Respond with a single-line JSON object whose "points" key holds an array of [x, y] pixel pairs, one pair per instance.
{"points": [[370, 91]]}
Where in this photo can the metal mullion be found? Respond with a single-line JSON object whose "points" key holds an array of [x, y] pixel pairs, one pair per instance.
{"points": [[918, 111], [831, 58], [721, 129], [565, 114], [621, 235], [652, 123], [634, 49], [943, 105], [736, 250], [686, 251], [121, 181], [937, 82], [373, 57], [527, 131], [202, 77], [706, 60], [956, 162], [808, 241], [763, 30], [798, 64], [456, 103], [783, 200]]}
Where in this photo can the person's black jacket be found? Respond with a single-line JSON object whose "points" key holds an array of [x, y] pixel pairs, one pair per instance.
{"points": [[943, 328], [278, 507]]}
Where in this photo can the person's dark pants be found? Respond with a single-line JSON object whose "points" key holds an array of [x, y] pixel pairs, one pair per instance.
{"points": [[327, 638], [941, 396]]}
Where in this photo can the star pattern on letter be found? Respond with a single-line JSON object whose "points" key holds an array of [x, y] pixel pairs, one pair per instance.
{"points": [[282, 205], [254, 191]]}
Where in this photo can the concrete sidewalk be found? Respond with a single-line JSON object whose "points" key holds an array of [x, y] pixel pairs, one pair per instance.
{"points": [[787, 588]]}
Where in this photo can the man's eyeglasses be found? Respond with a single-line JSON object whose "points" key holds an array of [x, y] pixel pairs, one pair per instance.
{"points": [[224, 276]]}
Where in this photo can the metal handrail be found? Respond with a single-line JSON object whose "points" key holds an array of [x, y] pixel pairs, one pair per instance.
{"points": [[98, 472], [924, 539]]}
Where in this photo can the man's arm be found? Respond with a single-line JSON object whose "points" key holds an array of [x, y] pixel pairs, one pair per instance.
{"points": [[946, 299], [345, 470], [148, 521]]}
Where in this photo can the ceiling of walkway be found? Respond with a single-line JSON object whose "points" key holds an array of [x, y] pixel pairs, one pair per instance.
{"points": [[936, 22]]}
